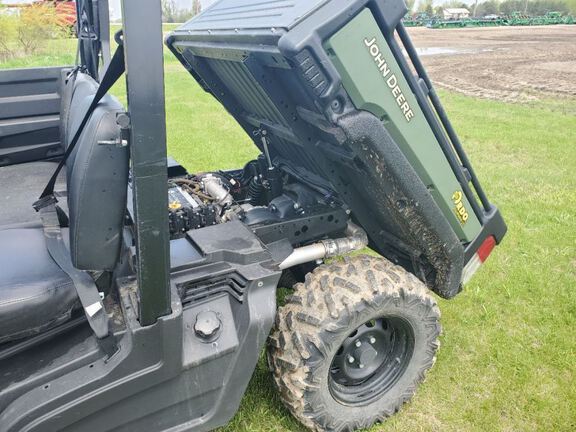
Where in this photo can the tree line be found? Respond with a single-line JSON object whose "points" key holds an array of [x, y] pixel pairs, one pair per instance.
{"points": [[496, 7], [172, 14], [26, 31]]}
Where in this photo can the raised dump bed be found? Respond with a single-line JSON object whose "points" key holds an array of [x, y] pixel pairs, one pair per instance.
{"points": [[330, 86]]}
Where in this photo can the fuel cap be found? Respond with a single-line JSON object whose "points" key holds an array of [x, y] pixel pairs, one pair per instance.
{"points": [[207, 325]]}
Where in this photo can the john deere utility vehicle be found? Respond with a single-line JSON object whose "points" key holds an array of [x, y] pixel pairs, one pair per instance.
{"points": [[136, 295]]}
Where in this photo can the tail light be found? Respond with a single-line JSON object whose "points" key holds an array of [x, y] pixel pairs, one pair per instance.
{"points": [[478, 259]]}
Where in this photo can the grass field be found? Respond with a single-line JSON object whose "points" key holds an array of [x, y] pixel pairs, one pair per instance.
{"points": [[507, 361]]}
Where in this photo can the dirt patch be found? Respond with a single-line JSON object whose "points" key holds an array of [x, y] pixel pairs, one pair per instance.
{"points": [[517, 64]]}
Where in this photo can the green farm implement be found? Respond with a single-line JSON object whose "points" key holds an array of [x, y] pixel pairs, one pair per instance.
{"points": [[515, 19]]}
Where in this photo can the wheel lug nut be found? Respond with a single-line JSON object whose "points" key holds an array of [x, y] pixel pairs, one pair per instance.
{"points": [[351, 359], [372, 340], [358, 343]]}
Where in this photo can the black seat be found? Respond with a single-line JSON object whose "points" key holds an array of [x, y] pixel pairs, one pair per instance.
{"points": [[35, 294], [22, 184], [74, 90]]}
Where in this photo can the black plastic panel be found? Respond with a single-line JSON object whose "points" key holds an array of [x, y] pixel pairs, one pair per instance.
{"points": [[30, 114]]}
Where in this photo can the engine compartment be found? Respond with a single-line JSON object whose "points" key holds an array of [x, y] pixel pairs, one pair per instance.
{"points": [[275, 204]]}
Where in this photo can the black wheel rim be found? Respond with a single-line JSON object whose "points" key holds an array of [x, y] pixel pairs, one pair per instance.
{"points": [[371, 360]]}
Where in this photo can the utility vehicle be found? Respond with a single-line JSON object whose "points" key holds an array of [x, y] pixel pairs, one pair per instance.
{"points": [[137, 296]]}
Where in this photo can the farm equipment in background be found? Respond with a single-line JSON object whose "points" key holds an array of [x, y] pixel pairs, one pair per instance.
{"points": [[439, 23], [486, 22], [550, 18], [416, 20], [553, 18], [518, 19], [515, 19], [466, 22]]}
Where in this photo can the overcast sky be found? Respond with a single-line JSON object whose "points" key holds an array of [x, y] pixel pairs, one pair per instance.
{"points": [[182, 4]]}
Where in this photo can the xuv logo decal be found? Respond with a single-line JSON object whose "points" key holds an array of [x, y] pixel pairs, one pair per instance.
{"points": [[460, 210]]}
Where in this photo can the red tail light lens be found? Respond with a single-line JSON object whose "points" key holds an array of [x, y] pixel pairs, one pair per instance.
{"points": [[486, 248], [478, 259]]}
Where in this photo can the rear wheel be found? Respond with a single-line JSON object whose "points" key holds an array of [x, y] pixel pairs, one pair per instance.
{"points": [[353, 343]]}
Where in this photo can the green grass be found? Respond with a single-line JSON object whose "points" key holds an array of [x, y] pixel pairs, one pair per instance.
{"points": [[507, 361], [508, 348], [53, 52]]}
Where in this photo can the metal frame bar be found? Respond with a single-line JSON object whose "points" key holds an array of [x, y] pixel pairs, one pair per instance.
{"points": [[88, 43], [143, 50], [447, 125], [102, 6], [99, 13]]}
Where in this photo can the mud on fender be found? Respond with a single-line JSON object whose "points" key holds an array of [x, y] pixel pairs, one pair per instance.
{"points": [[410, 211]]}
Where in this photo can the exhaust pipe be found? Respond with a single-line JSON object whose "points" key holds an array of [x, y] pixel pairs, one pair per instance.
{"points": [[355, 239]]}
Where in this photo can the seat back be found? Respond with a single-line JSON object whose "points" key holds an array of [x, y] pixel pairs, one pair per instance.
{"points": [[76, 88], [76, 98], [97, 179]]}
